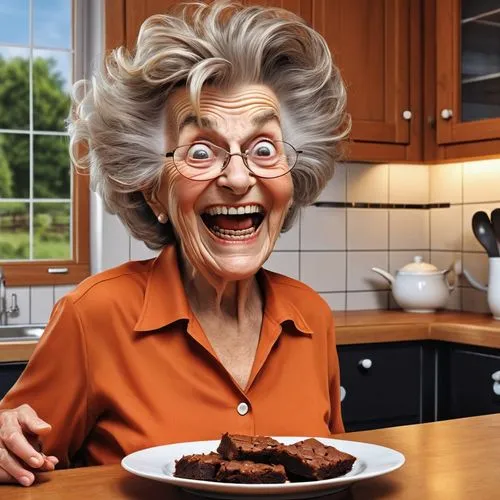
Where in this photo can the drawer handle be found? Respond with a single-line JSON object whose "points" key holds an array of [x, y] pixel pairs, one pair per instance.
{"points": [[343, 393], [496, 384], [365, 364]]}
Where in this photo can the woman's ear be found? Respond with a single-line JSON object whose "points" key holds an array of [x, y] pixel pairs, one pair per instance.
{"points": [[158, 209]]}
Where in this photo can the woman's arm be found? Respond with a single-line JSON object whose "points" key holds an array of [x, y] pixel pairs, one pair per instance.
{"points": [[55, 386]]}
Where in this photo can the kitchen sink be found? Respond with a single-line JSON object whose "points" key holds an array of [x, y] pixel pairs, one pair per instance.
{"points": [[15, 333]]}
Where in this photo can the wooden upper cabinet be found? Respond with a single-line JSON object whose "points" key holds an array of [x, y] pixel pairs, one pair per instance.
{"points": [[467, 70], [136, 11], [370, 41]]}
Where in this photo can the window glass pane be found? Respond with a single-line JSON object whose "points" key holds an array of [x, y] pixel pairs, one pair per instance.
{"points": [[51, 223], [14, 166], [14, 231], [51, 169], [14, 22], [480, 46], [51, 87], [52, 23], [14, 88]]}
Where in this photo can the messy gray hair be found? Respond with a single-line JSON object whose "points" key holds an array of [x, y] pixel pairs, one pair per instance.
{"points": [[120, 114]]}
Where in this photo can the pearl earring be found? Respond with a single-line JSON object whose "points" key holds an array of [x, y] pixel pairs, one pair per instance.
{"points": [[162, 218]]}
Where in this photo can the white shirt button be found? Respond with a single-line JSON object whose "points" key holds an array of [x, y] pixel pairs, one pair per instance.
{"points": [[242, 409]]}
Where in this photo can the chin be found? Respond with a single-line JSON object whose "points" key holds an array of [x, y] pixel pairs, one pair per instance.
{"points": [[238, 268]]}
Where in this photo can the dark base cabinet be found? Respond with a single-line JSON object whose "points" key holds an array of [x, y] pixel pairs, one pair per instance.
{"points": [[383, 384], [9, 373], [469, 381]]}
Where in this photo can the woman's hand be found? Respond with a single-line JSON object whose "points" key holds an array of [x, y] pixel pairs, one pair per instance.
{"points": [[20, 449]]}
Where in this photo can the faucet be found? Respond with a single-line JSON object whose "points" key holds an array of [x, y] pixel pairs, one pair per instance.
{"points": [[13, 310]]}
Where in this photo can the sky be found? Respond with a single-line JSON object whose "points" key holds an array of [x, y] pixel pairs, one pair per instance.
{"points": [[51, 29]]}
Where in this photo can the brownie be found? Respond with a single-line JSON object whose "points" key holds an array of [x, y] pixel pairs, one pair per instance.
{"points": [[240, 447], [250, 473], [200, 466], [310, 459]]}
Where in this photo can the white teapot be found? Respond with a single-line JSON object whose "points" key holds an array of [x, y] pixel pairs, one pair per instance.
{"points": [[420, 287]]}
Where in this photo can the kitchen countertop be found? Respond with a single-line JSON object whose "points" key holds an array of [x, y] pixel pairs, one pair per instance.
{"points": [[361, 327], [451, 459]]}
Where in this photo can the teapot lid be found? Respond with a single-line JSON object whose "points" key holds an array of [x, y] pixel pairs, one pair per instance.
{"points": [[418, 266]]}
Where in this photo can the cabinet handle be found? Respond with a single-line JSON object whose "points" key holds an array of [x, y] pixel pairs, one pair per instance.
{"points": [[343, 393], [366, 364], [446, 114], [407, 114], [496, 384]]}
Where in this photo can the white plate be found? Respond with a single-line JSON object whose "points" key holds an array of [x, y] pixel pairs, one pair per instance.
{"points": [[159, 463]]}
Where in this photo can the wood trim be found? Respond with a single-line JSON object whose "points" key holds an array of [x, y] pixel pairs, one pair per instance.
{"points": [[374, 152], [24, 273], [367, 334], [114, 22], [16, 351]]}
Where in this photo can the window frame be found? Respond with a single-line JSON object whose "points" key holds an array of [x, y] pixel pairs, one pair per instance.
{"points": [[74, 270]]}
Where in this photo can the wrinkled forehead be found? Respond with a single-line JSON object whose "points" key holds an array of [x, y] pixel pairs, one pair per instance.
{"points": [[253, 102]]}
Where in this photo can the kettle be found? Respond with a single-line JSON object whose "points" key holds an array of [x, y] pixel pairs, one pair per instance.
{"points": [[419, 286]]}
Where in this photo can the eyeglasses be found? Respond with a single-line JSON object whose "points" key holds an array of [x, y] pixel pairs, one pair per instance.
{"points": [[201, 161]]}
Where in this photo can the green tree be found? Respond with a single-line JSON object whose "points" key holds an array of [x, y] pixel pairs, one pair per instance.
{"points": [[50, 109], [5, 175]]}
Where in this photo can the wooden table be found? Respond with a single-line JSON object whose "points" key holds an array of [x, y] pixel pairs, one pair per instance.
{"points": [[455, 459]]}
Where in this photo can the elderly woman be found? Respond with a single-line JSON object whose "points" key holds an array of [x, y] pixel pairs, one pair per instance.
{"points": [[205, 141]]}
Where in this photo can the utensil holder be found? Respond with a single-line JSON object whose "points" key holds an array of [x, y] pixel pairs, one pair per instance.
{"points": [[493, 287]]}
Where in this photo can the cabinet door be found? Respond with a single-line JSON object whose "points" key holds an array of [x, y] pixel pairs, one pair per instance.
{"points": [[369, 40], [382, 385], [472, 388], [9, 373], [468, 70], [136, 11]]}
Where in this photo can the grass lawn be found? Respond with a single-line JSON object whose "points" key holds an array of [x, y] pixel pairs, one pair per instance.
{"points": [[15, 246]]}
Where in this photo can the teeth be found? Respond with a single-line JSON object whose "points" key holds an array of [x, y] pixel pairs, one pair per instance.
{"points": [[241, 210]]}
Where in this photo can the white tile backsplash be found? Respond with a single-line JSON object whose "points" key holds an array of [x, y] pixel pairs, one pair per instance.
{"points": [[367, 229], [482, 181], [366, 300], [367, 183], [291, 239], [446, 228], [335, 190], [139, 251], [408, 229], [324, 271], [336, 300], [445, 183], [286, 263], [474, 301], [359, 270], [408, 184], [323, 228], [41, 303], [476, 265]]}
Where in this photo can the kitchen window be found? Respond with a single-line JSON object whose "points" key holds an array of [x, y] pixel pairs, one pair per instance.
{"points": [[44, 205]]}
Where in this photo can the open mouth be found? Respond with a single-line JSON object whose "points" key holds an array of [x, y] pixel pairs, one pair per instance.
{"points": [[233, 223]]}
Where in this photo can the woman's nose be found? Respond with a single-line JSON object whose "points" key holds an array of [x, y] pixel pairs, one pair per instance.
{"points": [[236, 176]]}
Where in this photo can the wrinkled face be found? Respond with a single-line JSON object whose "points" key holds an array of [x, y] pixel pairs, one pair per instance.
{"points": [[228, 225]]}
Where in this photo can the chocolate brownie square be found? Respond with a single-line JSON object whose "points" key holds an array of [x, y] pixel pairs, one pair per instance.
{"points": [[250, 473], [199, 466], [241, 447], [311, 459]]}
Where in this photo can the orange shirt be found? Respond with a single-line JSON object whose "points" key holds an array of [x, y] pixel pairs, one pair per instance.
{"points": [[124, 365]]}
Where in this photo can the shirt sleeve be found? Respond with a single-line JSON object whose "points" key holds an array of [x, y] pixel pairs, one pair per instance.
{"points": [[55, 383], [336, 424]]}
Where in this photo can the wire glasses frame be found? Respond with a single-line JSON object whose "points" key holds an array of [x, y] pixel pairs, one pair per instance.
{"points": [[279, 159]]}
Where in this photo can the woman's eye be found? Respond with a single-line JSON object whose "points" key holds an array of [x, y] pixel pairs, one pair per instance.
{"points": [[264, 149], [200, 152]]}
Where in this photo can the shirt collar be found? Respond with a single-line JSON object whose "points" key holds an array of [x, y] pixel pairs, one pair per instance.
{"points": [[165, 299]]}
